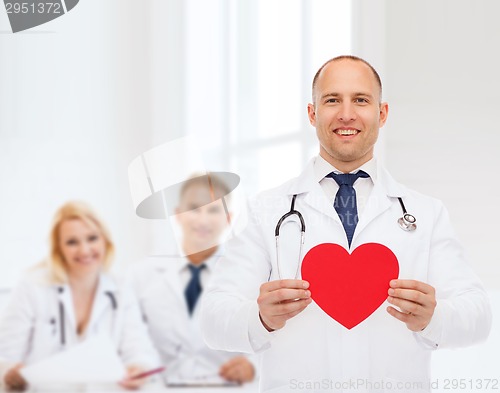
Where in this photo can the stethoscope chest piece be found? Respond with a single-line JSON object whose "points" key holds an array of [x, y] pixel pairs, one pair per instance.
{"points": [[408, 222]]}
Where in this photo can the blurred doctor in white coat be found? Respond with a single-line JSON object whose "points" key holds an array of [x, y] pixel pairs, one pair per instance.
{"points": [[169, 293], [69, 298], [437, 301]]}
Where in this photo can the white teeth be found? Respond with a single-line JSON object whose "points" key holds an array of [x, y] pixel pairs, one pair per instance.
{"points": [[347, 132]]}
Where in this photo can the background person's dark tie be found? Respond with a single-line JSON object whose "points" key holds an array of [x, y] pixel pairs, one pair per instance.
{"points": [[345, 201], [193, 289]]}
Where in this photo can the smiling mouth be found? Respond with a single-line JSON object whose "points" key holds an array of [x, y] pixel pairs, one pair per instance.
{"points": [[350, 131], [86, 261], [202, 231]]}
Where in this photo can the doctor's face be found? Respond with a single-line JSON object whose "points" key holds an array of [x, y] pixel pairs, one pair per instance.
{"points": [[202, 222], [82, 247], [347, 114]]}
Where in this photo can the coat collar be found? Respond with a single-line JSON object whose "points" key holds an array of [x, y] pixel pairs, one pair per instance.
{"points": [[106, 296], [171, 267], [385, 189], [105, 284], [106, 299], [306, 182], [164, 264]]}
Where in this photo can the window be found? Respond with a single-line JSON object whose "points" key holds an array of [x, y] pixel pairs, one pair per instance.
{"points": [[249, 67]]}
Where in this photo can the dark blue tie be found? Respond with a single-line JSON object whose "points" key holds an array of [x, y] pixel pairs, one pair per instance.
{"points": [[193, 289], [345, 200]]}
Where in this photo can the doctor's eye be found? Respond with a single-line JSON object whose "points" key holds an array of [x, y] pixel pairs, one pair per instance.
{"points": [[361, 100], [71, 242], [215, 209], [93, 238], [193, 207], [332, 101]]}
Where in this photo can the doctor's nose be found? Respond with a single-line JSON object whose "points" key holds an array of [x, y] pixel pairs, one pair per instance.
{"points": [[85, 248], [203, 218], [346, 112]]}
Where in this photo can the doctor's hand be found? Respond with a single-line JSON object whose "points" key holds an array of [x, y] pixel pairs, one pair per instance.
{"points": [[415, 299], [14, 380], [129, 382], [281, 300], [237, 369]]}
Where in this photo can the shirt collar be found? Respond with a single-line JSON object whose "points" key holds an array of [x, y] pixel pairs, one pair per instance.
{"points": [[209, 262], [322, 168], [106, 283]]}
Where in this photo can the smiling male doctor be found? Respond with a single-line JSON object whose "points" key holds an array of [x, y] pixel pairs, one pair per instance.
{"points": [[437, 302]]}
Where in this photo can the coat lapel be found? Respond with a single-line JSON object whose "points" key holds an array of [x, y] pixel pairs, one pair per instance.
{"points": [[102, 300], [380, 200], [66, 299], [315, 196], [171, 274], [172, 277]]}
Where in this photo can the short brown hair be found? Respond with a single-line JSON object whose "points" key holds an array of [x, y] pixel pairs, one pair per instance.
{"points": [[346, 57], [217, 187]]}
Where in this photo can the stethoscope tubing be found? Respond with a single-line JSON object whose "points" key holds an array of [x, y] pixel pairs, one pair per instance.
{"points": [[62, 316], [62, 313], [407, 223]]}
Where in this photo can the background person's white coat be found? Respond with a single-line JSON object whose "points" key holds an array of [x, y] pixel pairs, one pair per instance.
{"points": [[30, 325], [176, 334]]}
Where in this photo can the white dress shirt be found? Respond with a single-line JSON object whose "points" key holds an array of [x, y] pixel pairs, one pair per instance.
{"points": [[362, 186], [205, 273]]}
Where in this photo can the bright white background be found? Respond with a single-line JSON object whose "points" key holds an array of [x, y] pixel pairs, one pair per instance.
{"points": [[82, 96]]}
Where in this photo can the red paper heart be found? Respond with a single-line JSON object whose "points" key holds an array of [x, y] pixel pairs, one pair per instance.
{"points": [[349, 287]]}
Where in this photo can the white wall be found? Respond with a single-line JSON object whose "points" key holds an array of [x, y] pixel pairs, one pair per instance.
{"points": [[440, 67], [75, 108], [439, 63]]}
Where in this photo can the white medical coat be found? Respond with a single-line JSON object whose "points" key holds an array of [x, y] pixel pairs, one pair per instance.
{"points": [[313, 352], [31, 330], [176, 334]]}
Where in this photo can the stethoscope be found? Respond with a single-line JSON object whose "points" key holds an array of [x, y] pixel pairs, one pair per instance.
{"points": [[407, 223], [62, 313]]}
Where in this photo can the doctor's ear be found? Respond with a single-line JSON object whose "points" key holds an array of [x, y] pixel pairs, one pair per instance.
{"points": [[384, 112], [311, 113]]}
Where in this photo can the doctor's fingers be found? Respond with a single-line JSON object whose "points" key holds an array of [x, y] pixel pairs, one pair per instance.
{"points": [[406, 306], [274, 319], [281, 284], [132, 384], [237, 369], [415, 296], [414, 302], [420, 314], [413, 284], [14, 380], [285, 310], [283, 295], [413, 322], [129, 382]]}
